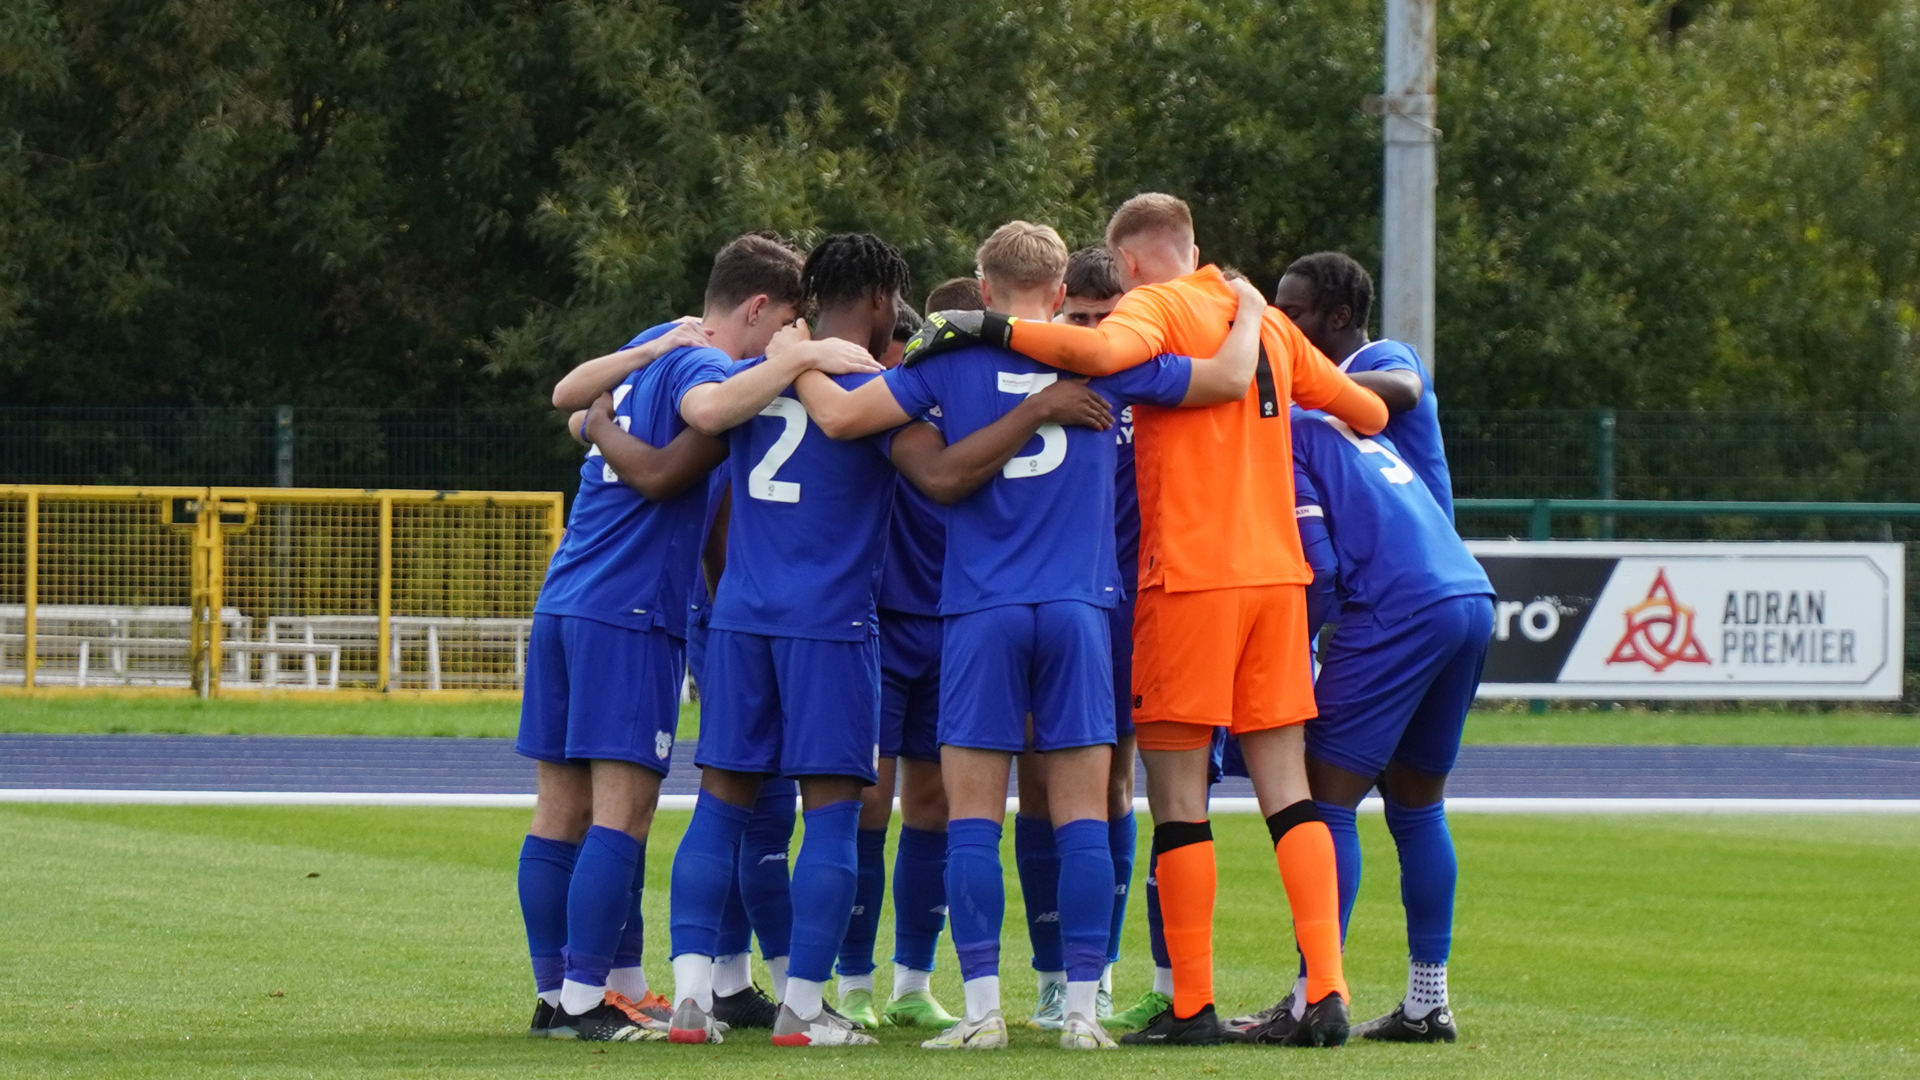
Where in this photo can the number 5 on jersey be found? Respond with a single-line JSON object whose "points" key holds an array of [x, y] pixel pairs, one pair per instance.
{"points": [[1053, 437], [1397, 473], [760, 482]]}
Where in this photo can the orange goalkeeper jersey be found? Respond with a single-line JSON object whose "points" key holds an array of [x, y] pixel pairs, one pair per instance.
{"points": [[1216, 484]]}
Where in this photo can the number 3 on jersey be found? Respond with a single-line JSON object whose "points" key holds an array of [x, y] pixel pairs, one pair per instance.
{"points": [[760, 482], [1053, 438], [1397, 473]]}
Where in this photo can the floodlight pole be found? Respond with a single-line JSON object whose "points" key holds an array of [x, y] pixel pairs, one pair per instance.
{"points": [[1409, 109]]}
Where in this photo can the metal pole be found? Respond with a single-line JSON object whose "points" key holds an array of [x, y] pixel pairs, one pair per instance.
{"points": [[384, 636], [31, 631], [1409, 109]]}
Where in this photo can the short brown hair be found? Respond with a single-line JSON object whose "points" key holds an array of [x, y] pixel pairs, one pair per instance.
{"points": [[1149, 212], [956, 294], [753, 264], [1023, 255], [1092, 275]]}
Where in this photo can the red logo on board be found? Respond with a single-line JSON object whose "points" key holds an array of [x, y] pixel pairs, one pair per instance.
{"points": [[1659, 631]]}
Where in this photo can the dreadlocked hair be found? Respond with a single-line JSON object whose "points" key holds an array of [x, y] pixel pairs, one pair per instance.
{"points": [[849, 266], [1336, 279]]}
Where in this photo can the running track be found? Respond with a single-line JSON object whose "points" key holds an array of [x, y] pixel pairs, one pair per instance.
{"points": [[143, 768]]}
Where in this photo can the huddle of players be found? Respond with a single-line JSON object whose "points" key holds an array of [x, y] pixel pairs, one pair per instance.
{"points": [[933, 567]]}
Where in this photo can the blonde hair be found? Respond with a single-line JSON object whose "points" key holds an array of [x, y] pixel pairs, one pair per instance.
{"points": [[1150, 212], [1022, 255]]}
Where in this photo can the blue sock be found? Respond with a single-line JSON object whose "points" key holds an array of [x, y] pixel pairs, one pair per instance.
{"points": [[1156, 930], [976, 894], [633, 936], [598, 900], [823, 885], [546, 872], [869, 891], [1086, 897], [1428, 874], [1346, 856], [764, 888], [1038, 862], [736, 930], [919, 896], [1122, 841], [703, 871]]}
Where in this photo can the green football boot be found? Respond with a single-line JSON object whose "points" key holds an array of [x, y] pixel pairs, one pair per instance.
{"points": [[857, 1006], [1151, 1004], [917, 1008]]}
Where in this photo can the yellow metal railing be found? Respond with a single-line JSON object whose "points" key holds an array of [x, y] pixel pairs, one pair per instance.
{"points": [[207, 589]]}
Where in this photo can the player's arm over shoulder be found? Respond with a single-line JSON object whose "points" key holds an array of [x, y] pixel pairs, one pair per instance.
{"points": [[1133, 334], [591, 378], [1225, 375], [1318, 384], [867, 409], [1396, 378], [948, 474], [657, 473]]}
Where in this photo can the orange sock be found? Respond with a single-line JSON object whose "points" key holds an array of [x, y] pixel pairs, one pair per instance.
{"points": [[1304, 848], [1187, 882]]}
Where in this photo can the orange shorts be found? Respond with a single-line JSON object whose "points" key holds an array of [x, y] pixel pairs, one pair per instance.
{"points": [[1232, 658]]}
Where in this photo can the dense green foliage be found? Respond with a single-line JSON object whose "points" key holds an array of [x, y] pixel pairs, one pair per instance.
{"points": [[445, 203]]}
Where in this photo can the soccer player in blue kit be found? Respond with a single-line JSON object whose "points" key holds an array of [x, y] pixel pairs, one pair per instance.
{"points": [[1092, 290], [1401, 670], [604, 660], [793, 664], [1328, 296], [1030, 572], [909, 610]]}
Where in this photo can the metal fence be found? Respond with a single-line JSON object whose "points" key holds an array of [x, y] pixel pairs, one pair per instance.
{"points": [[480, 449], [269, 588], [1633, 454], [1683, 454]]}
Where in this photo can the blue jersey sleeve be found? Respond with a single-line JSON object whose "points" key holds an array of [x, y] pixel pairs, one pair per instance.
{"points": [[694, 367], [1316, 543], [647, 335], [912, 390], [1161, 381], [1385, 355]]}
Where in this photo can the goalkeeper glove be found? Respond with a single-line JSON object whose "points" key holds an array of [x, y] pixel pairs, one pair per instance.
{"points": [[945, 331]]}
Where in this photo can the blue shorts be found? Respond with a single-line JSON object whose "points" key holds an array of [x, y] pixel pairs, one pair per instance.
{"points": [[790, 706], [598, 692], [697, 653], [1120, 629], [910, 685], [1400, 692], [1053, 660]]}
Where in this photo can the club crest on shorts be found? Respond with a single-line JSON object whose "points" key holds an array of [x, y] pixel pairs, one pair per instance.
{"points": [[662, 744]]}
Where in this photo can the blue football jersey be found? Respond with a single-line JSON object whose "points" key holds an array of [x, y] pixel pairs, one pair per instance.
{"points": [[1042, 530], [1126, 503], [808, 526], [1417, 431], [626, 560], [916, 552], [1396, 551]]}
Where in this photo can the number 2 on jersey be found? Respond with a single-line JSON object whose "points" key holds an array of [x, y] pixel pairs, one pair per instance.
{"points": [[1397, 473], [1053, 437], [760, 482]]}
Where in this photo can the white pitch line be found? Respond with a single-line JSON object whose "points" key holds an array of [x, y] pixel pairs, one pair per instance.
{"points": [[1470, 805]]}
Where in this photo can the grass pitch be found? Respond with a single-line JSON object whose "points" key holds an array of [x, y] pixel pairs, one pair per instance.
{"points": [[469, 716], [181, 942]]}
